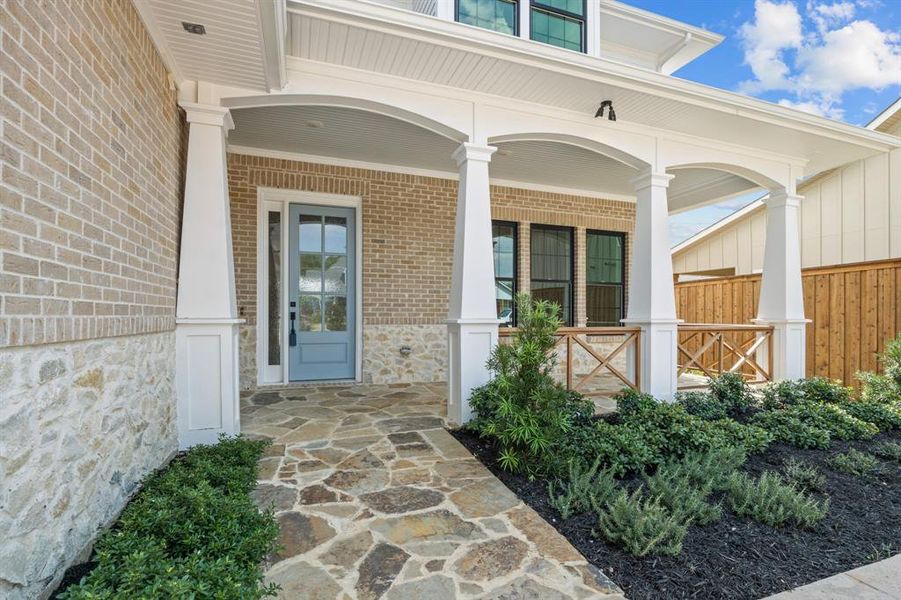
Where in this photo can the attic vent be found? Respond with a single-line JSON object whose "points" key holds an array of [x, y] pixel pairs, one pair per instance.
{"points": [[194, 28]]}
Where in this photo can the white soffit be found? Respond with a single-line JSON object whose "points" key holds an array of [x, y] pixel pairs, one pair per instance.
{"points": [[342, 133], [650, 40], [405, 44], [692, 188], [230, 52]]}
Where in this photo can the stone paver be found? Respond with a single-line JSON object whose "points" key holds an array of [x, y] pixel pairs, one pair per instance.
{"points": [[377, 500], [876, 581]]}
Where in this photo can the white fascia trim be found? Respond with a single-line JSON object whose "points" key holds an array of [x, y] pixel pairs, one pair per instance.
{"points": [[450, 175], [660, 22], [145, 12], [432, 30], [887, 113], [272, 16], [727, 220]]}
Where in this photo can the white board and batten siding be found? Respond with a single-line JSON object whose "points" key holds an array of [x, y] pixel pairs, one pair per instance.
{"points": [[850, 215]]}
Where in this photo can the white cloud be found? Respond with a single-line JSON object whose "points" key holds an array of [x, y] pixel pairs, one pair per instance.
{"points": [[817, 64], [776, 28]]}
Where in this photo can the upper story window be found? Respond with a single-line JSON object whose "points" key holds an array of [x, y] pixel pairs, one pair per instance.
{"points": [[552, 267], [497, 15], [559, 22], [504, 240], [605, 271]]}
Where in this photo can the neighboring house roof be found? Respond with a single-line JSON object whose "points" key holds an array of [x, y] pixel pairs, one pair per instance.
{"points": [[886, 121]]}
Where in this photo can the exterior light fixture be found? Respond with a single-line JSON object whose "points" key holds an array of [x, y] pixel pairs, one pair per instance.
{"points": [[608, 104], [195, 28]]}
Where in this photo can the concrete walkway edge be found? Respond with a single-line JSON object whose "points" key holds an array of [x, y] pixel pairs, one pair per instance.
{"points": [[877, 581]]}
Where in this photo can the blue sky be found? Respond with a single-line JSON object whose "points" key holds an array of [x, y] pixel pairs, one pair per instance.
{"points": [[840, 59]]}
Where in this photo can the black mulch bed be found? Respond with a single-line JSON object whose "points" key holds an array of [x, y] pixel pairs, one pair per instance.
{"points": [[737, 558]]}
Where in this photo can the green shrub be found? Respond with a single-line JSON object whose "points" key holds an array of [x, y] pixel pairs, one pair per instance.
{"points": [[641, 525], [732, 391], [683, 496], [192, 532], [582, 490], [835, 420], [781, 394], [821, 389], [773, 502], [885, 416], [888, 451], [630, 401], [788, 428], [855, 462], [710, 469], [703, 405], [523, 408], [619, 448], [884, 388], [751, 438], [803, 475]]}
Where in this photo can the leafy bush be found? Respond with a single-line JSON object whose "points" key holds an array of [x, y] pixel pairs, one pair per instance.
{"points": [[884, 388], [781, 394], [732, 391], [192, 532], [641, 525], [788, 428], [773, 502], [703, 405], [803, 475], [855, 462], [671, 432], [619, 448], [685, 497], [630, 401], [751, 438], [885, 416], [888, 451], [835, 420], [785, 394], [583, 490], [523, 408], [711, 468]]}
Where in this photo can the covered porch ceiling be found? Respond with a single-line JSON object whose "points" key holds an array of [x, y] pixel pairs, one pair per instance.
{"points": [[353, 136]]}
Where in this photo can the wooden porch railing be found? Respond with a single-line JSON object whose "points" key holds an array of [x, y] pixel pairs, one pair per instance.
{"points": [[711, 350], [572, 337]]}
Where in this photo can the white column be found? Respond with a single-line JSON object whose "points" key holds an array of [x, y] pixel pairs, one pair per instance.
{"points": [[206, 331], [652, 303], [781, 295], [472, 314]]}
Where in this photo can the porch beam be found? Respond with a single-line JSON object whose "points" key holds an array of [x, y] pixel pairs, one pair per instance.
{"points": [[781, 301], [652, 304], [472, 312], [206, 331]]}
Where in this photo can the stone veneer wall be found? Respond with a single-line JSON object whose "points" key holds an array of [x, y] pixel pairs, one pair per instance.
{"points": [[92, 146], [408, 231]]}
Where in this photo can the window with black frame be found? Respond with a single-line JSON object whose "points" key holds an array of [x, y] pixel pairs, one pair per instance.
{"points": [[558, 22], [605, 268], [504, 240], [496, 15], [552, 267]]}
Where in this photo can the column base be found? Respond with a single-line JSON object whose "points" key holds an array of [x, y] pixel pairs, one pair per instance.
{"points": [[659, 344], [206, 380], [789, 347], [469, 344]]}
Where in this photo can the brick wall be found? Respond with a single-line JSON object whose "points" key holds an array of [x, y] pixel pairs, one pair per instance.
{"points": [[408, 231], [92, 147]]}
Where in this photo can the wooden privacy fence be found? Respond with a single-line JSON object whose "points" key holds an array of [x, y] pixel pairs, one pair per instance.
{"points": [[853, 309], [600, 364]]}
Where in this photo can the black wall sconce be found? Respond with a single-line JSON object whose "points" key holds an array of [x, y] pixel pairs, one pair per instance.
{"points": [[608, 104]]}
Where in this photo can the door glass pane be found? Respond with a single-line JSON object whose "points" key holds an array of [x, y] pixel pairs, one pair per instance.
{"points": [[605, 258], [310, 233], [604, 305], [336, 234], [310, 313], [335, 313], [310, 272], [336, 274], [551, 253], [273, 293], [558, 293]]}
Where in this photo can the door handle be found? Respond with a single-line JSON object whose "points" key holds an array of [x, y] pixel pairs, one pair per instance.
{"points": [[292, 335]]}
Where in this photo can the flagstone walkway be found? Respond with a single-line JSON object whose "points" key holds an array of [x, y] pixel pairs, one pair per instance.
{"points": [[376, 500]]}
